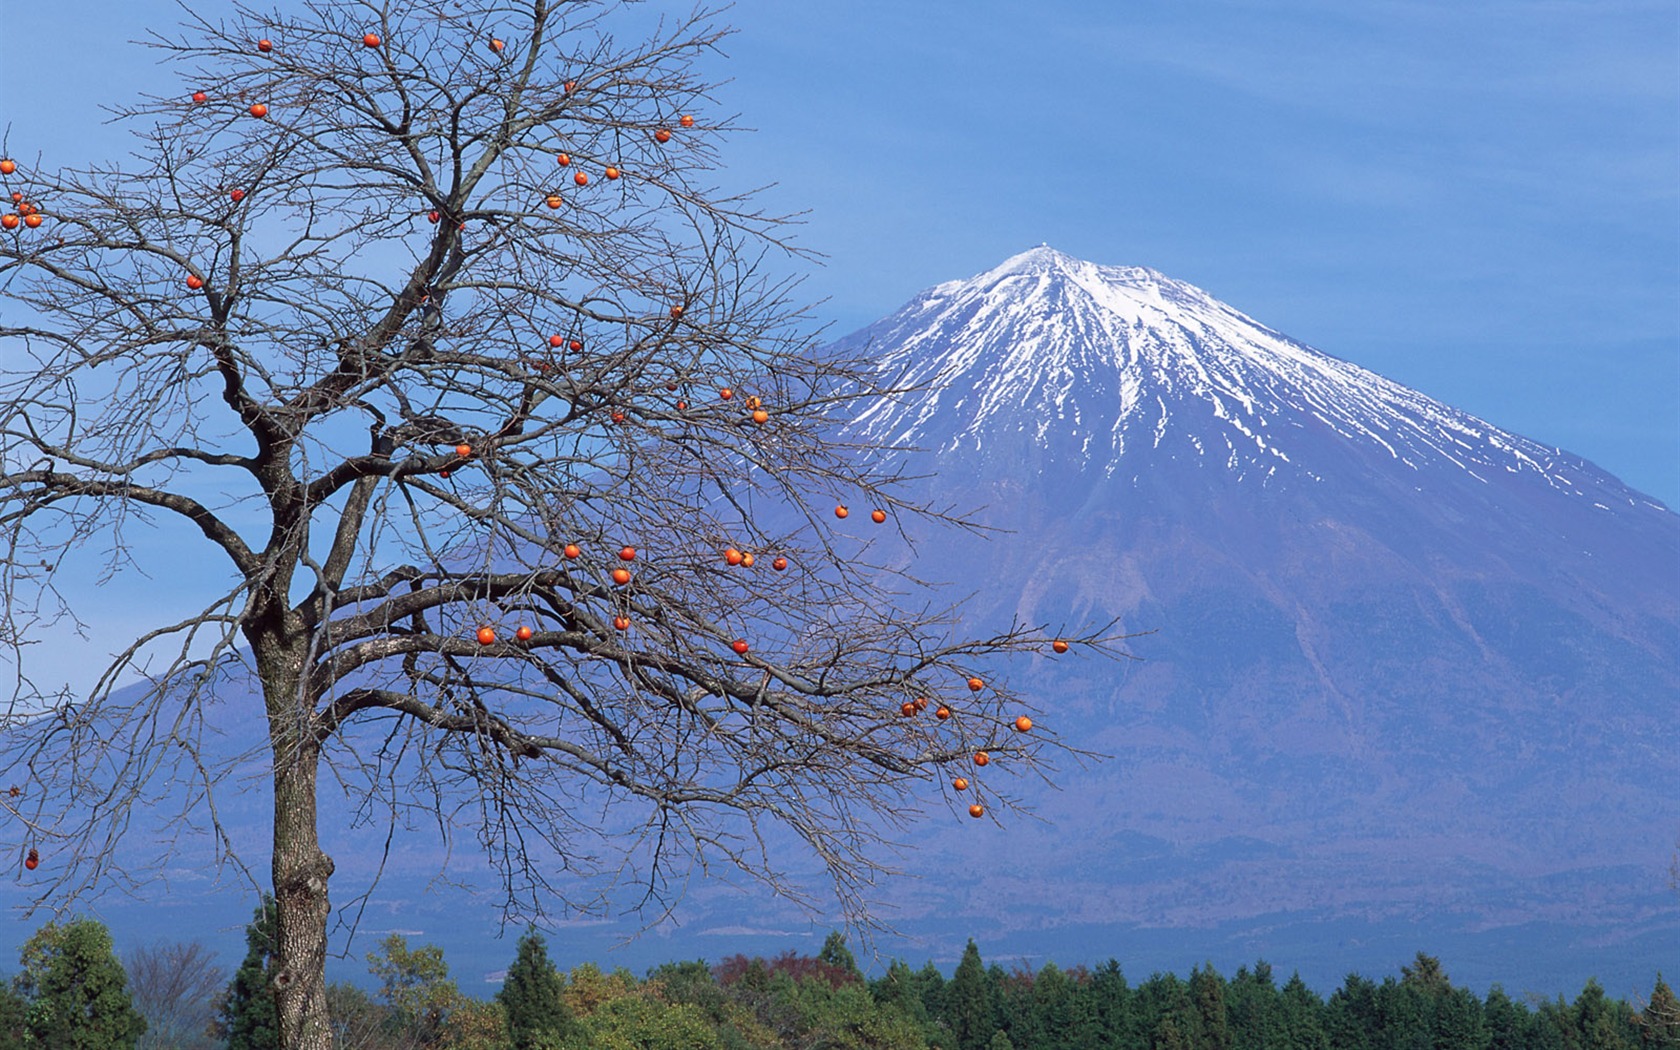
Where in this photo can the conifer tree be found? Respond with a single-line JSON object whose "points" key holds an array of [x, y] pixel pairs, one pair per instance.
{"points": [[78, 990], [1507, 1020], [1426, 975], [835, 953], [1351, 1014], [968, 1002], [249, 1019], [1659, 1022], [1600, 1022], [533, 994], [1255, 1010], [1207, 994], [1303, 1015], [930, 988], [1168, 1036], [1051, 1006], [1110, 1011]]}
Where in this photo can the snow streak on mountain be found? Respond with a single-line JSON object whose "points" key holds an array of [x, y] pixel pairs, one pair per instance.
{"points": [[1096, 362]]}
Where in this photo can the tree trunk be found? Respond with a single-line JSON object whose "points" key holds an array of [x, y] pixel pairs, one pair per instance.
{"points": [[301, 869]]}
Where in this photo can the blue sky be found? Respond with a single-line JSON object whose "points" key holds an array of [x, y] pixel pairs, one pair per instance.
{"points": [[1481, 200]]}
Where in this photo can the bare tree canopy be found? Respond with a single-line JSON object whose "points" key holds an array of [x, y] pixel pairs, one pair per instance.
{"points": [[175, 987], [428, 320]]}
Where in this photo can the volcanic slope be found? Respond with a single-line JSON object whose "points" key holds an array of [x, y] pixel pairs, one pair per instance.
{"points": [[1406, 663]]}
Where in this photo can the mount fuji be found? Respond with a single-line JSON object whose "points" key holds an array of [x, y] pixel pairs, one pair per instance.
{"points": [[1409, 671]]}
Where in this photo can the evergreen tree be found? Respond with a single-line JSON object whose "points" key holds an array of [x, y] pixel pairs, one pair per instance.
{"points": [[1303, 1016], [968, 1002], [79, 997], [14, 1015], [1051, 1008], [1426, 975], [1404, 1016], [1554, 1027], [930, 988], [1207, 995], [835, 953], [1012, 1007], [1108, 1002], [1168, 1036], [1459, 1022], [1351, 1015], [1255, 1010], [1602, 1023], [1507, 1020], [1659, 1022], [1000, 1041], [900, 989], [1164, 997], [930, 985], [533, 994], [248, 1018]]}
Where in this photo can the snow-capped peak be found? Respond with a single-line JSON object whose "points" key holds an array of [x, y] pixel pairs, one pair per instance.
{"points": [[1089, 365]]}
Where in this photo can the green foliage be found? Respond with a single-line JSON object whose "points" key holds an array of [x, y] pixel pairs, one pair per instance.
{"points": [[1600, 1023], [1659, 1022], [14, 1016], [475, 1025], [533, 996], [1255, 1011], [1507, 1021], [1104, 1014], [1303, 1017], [1165, 1010], [415, 986], [644, 1022], [1168, 1036], [822, 1002], [1426, 976], [930, 986], [1351, 1015], [812, 1011], [78, 992], [969, 1002], [249, 1018], [1207, 996], [693, 984], [835, 953]]}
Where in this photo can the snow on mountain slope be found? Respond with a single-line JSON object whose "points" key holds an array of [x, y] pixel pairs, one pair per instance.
{"points": [[1095, 362]]}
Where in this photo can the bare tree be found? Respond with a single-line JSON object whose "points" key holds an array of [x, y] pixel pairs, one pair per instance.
{"points": [[175, 988], [425, 318]]}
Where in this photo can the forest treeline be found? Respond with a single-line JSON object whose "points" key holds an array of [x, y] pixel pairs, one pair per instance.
{"points": [[73, 990]]}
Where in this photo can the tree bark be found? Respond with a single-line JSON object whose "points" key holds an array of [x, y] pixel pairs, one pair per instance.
{"points": [[301, 870]]}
